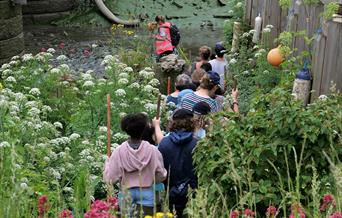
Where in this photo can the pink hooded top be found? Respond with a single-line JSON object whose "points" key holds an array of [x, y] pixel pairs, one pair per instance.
{"points": [[125, 163]]}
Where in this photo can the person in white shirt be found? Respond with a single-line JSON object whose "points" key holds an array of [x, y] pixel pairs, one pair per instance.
{"points": [[219, 63]]}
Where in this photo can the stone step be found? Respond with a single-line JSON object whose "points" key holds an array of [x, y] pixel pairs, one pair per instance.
{"points": [[11, 27], [48, 6], [11, 47], [8, 10]]}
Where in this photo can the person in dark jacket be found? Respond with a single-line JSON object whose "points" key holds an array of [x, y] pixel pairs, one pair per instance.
{"points": [[176, 149]]}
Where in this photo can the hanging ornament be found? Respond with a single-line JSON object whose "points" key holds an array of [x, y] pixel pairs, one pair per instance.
{"points": [[257, 29], [274, 57]]}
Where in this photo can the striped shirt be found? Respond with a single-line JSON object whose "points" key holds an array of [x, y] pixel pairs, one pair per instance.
{"points": [[189, 101]]}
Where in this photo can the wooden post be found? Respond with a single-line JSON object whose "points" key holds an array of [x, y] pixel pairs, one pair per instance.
{"points": [[168, 85], [236, 33], [158, 106], [108, 125]]}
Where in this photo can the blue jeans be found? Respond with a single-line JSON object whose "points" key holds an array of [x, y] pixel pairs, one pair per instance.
{"points": [[141, 196]]}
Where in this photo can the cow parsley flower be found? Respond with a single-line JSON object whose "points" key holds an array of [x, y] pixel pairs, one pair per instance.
{"points": [[269, 26], [266, 30], [128, 69], [55, 71], [62, 58], [123, 75], [74, 136], [88, 83], [86, 76], [148, 88], [5, 66], [27, 57], [23, 185], [51, 50], [64, 67], [154, 82], [5, 144], [134, 85], [7, 72], [34, 91], [123, 81], [12, 63], [150, 107], [16, 57], [58, 125], [103, 129], [10, 79], [120, 93], [233, 61], [33, 112]]}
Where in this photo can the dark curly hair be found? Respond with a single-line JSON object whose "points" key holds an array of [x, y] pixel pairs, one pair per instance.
{"points": [[134, 124], [186, 124]]}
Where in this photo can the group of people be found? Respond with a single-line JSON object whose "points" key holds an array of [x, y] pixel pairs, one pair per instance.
{"points": [[149, 161]]}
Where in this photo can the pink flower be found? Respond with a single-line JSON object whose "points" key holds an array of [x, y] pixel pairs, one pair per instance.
{"points": [[42, 206], [113, 202], [66, 214], [99, 209], [336, 215], [296, 209], [248, 213], [61, 45], [43, 50], [86, 52], [327, 201], [271, 211], [234, 214]]}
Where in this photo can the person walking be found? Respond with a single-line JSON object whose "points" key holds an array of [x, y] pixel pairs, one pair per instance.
{"points": [[177, 149], [163, 42], [137, 165], [219, 63]]}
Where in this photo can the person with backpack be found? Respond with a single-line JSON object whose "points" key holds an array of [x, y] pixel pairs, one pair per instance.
{"points": [[167, 38], [177, 148], [137, 165]]}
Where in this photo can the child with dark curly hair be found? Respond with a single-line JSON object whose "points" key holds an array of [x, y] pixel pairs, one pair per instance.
{"points": [[176, 149], [137, 165]]}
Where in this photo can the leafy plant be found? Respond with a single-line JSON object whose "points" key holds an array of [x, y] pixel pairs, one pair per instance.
{"points": [[330, 9]]}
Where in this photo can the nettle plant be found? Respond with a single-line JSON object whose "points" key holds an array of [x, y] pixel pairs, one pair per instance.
{"points": [[275, 155]]}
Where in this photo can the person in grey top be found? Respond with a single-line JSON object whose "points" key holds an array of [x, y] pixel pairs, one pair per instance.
{"points": [[219, 63]]}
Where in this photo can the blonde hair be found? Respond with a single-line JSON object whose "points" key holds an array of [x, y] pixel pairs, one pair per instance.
{"points": [[206, 82]]}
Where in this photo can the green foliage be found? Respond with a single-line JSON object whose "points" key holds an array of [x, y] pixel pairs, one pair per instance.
{"points": [[285, 4], [330, 9], [264, 155]]}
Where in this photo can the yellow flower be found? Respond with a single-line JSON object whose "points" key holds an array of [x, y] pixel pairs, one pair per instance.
{"points": [[148, 217], [164, 215]]}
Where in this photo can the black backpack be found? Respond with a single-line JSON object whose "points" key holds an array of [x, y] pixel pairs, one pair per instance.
{"points": [[175, 34]]}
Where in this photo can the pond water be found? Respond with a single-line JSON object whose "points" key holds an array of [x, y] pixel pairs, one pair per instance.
{"points": [[86, 47]]}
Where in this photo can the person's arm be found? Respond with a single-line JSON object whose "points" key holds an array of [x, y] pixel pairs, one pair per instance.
{"points": [[235, 94], [157, 130], [112, 172]]}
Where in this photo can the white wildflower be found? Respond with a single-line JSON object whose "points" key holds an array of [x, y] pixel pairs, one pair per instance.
{"points": [[251, 32], [12, 63], [55, 71], [27, 57], [89, 72], [64, 67], [74, 136], [123, 75], [233, 61], [46, 159], [239, 5], [258, 54], [134, 85], [323, 97], [75, 89], [123, 81], [33, 112], [5, 66], [124, 105], [15, 58], [23, 185], [62, 58], [108, 68], [103, 129], [51, 50], [10, 79], [58, 125], [154, 82], [122, 114], [7, 72], [262, 50], [68, 189], [148, 88], [269, 26], [245, 35], [128, 69], [34, 91], [150, 107], [86, 76], [120, 93], [88, 83], [108, 58], [5, 144], [94, 45]]}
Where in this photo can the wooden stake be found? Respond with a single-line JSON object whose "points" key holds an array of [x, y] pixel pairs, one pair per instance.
{"points": [[158, 106], [168, 85], [108, 125]]}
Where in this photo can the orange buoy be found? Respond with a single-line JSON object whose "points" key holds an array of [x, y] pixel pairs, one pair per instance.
{"points": [[274, 57]]}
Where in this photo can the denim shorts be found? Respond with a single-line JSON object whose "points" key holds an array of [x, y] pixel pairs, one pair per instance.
{"points": [[141, 196]]}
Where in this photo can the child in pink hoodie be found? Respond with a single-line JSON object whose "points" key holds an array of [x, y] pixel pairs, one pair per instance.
{"points": [[136, 164]]}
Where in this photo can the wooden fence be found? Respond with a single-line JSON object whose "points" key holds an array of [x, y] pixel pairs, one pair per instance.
{"points": [[327, 47]]}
